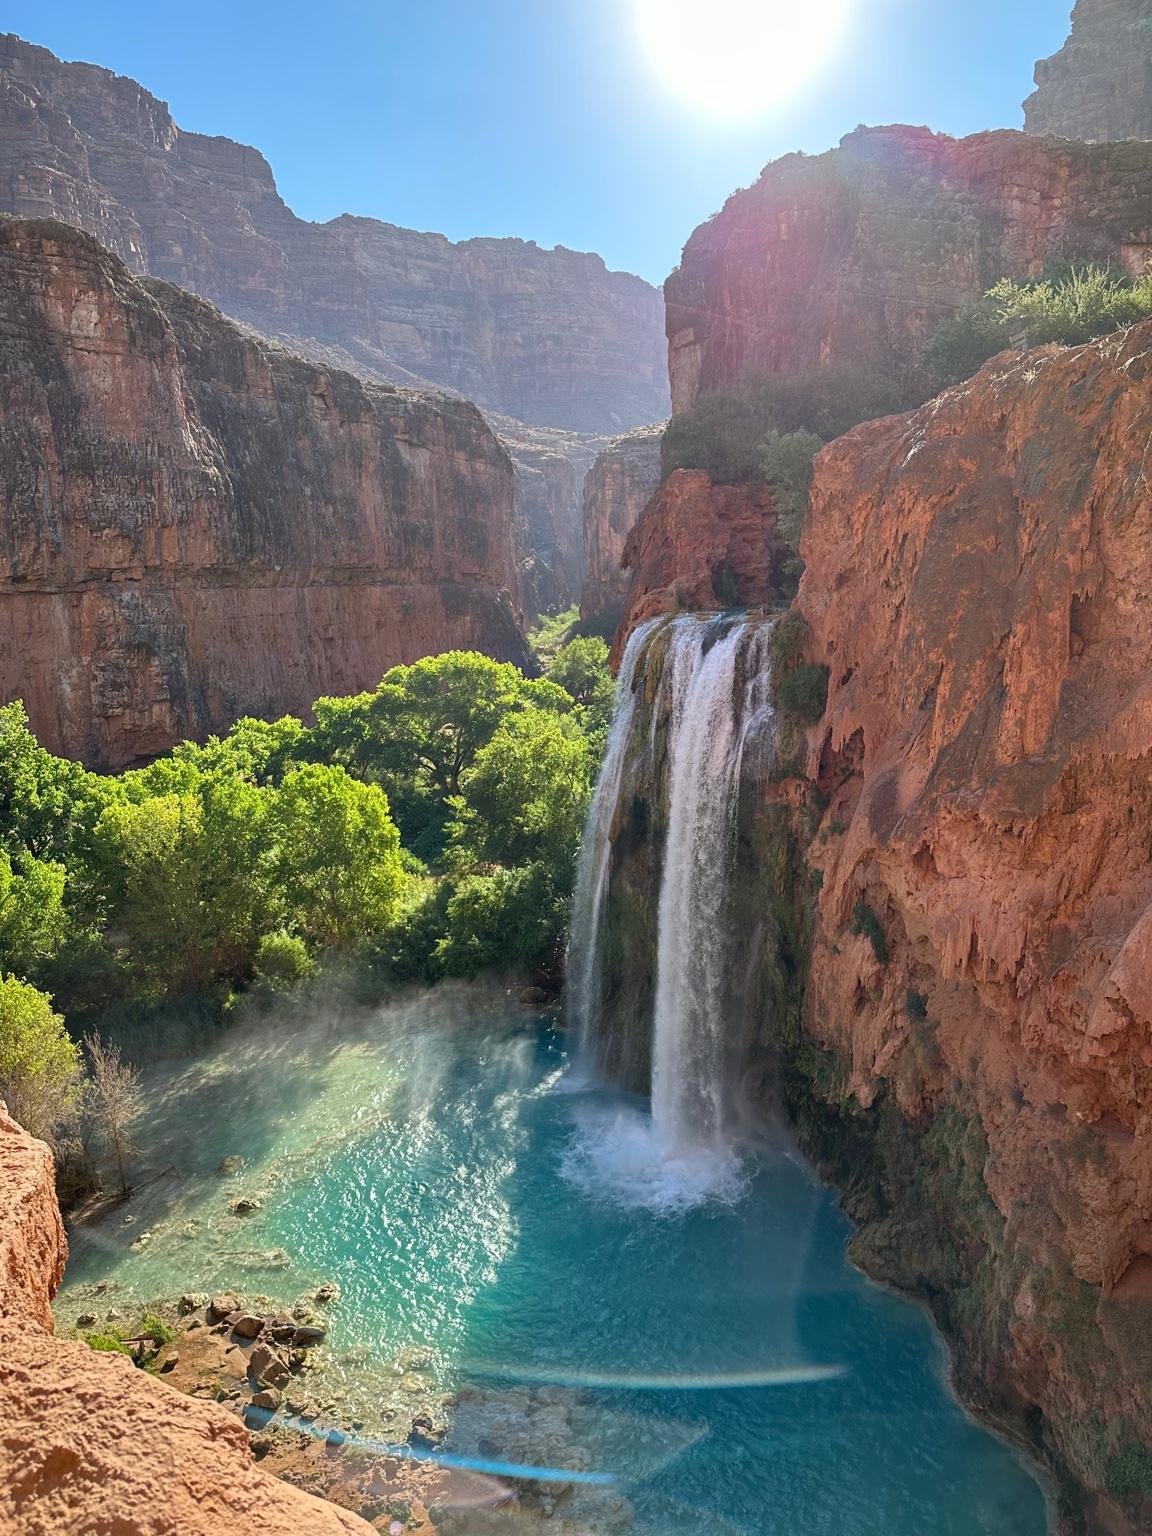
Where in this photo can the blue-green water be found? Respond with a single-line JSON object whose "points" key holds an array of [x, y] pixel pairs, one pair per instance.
{"points": [[495, 1227]]}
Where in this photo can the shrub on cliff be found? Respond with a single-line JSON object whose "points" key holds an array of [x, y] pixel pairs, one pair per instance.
{"points": [[1066, 305], [803, 693]]}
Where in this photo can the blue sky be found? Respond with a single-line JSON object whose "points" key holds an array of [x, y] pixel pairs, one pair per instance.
{"points": [[538, 118]]}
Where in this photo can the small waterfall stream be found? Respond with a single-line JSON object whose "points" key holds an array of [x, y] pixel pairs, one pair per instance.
{"points": [[710, 714], [585, 976]]}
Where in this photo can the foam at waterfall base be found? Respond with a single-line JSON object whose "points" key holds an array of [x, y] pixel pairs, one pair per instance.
{"points": [[621, 1156]]}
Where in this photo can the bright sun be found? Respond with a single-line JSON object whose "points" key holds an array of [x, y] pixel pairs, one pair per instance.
{"points": [[739, 57]]}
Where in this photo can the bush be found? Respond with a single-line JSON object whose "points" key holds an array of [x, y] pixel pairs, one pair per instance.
{"points": [[916, 1005], [786, 464], [1128, 1475], [770, 425], [108, 1341], [803, 693], [282, 961], [1066, 305]]}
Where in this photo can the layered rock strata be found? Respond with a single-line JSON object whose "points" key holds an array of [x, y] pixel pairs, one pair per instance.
{"points": [[550, 337], [616, 490], [89, 1443], [700, 546], [852, 258], [201, 526], [1099, 85]]}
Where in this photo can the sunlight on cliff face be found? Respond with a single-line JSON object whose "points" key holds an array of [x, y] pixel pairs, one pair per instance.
{"points": [[739, 58]]}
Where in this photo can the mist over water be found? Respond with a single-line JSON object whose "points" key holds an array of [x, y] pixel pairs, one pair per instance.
{"points": [[715, 1360]]}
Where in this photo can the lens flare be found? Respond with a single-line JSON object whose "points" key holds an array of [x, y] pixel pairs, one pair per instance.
{"points": [[739, 58]]}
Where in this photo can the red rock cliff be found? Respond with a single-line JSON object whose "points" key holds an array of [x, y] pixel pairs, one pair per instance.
{"points": [[550, 337], [90, 1444], [201, 526], [700, 546], [616, 490], [854, 257], [977, 583]]}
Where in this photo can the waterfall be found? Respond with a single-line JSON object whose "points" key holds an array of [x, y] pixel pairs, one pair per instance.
{"points": [[584, 971], [720, 684], [710, 720]]}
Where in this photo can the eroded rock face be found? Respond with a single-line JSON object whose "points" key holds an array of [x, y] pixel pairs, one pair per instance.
{"points": [[852, 258], [1099, 86], [550, 337], [616, 490], [200, 526], [88, 1443], [700, 546], [977, 583]]}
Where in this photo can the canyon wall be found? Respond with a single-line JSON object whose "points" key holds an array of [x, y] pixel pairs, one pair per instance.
{"points": [[981, 965], [1099, 85], [700, 546], [852, 258], [201, 526], [549, 337], [616, 490], [89, 1443]]}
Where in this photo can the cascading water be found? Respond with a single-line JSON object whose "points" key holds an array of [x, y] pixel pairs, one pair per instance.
{"points": [[585, 974], [721, 688], [711, 706]]}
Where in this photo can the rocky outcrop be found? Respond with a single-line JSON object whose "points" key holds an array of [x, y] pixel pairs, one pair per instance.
{"points": [[852, 258], [550, 337], [699, 546], [200, 526], [1099, 86], [616, 490], [981, 969], [89, 1443]]}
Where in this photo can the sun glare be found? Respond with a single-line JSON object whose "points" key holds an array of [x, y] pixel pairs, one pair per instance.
{"points": [[739, 58]]}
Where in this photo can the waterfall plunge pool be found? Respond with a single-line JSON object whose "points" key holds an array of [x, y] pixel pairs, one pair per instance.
{"points": [[708, 1360]]}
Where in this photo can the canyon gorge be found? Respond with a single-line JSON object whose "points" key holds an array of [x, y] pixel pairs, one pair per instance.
{"points": [[869, 856]]}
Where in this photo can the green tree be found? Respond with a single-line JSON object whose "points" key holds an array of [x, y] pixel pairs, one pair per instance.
{"points": [[504, 920], [581, 669], [33, 923], [40, 1073], [46, 802], [523, 800], [335, 855]]}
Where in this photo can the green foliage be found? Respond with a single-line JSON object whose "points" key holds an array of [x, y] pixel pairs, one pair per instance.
{"points": [[865, 922], [1066, 305], [786, 464], [108, 1340], [523, 799], [154, 1328], [411, 821], [771, 427], [1128, 1475], [789, 637], [39, 1063], [915, 1005], [506, 920], [552, 633], [803, 693], [335, 854], [282, 961]]}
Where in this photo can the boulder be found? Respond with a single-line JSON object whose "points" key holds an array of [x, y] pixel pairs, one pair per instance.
{"points": [[222, 1306], [246, 1325], [267, 1367]]}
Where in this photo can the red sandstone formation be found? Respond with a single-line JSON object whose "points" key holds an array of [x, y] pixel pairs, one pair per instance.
{"points": [[852, 258], [616, 490], [1099, 86], [977, 581], [549, 337], [89, 1444], [201, 526], [699, 545]]}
